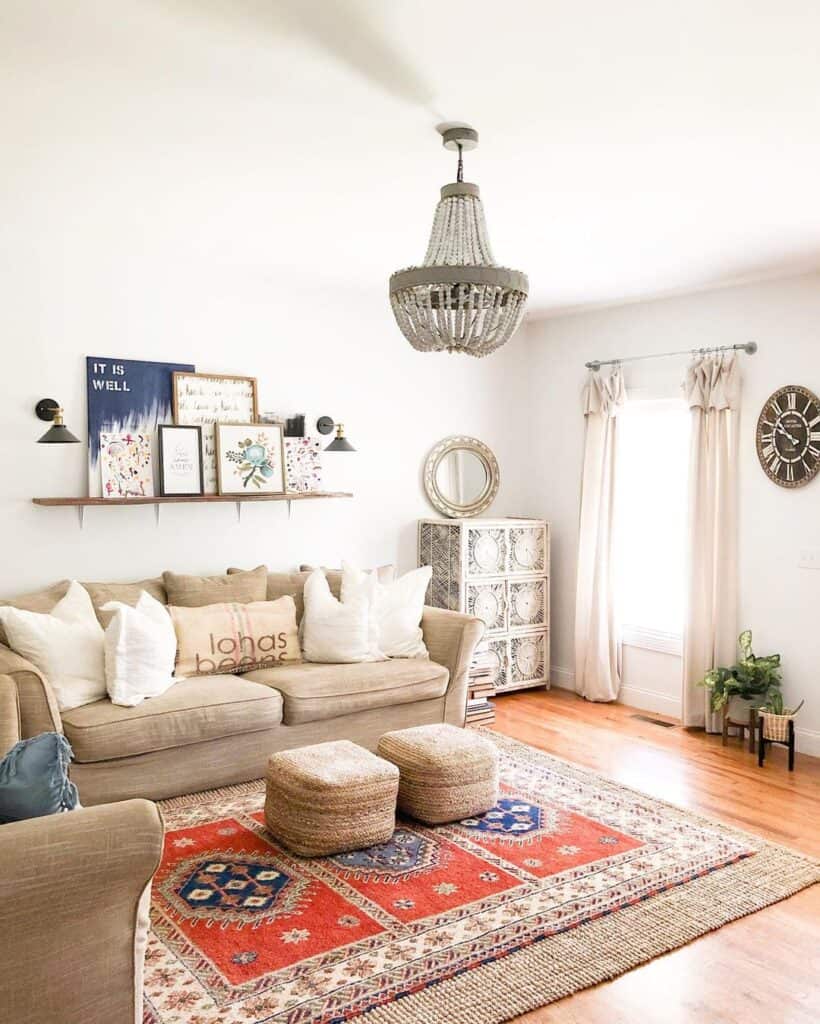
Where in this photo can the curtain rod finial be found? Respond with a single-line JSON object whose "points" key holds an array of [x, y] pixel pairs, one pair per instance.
{"points": [[594, 365], [750, 348]]}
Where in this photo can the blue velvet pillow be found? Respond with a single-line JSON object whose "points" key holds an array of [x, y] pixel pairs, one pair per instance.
{"points": [[34, 778]]}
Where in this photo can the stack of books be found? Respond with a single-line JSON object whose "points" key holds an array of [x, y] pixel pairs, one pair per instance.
{"points": [[480, 687]]}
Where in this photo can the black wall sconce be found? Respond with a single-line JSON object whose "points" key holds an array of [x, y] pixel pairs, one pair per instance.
{"points": [[339, 443], [58, 433]]}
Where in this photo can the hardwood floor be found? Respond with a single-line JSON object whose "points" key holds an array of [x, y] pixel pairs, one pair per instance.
{"points": [[763, 968]]}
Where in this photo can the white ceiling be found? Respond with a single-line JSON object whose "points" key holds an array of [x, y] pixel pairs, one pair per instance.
{"points": [[628, 149]]}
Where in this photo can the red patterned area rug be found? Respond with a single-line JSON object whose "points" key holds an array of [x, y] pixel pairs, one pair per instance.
{"points": [[569, 880]]}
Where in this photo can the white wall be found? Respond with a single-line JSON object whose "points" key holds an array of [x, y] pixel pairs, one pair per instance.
{"points": [[778, 600], [164, 196]]}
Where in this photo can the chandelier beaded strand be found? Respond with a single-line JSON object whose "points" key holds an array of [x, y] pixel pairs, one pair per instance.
{"points": [[459, 300]]}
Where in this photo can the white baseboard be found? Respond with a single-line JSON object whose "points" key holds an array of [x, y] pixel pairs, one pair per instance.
{"points": [[562, 678], [650, 700], [807, 741]]}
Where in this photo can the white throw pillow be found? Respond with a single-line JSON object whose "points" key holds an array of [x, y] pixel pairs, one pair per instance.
{"points": [[398, 609], [66, 645], [337, 632], [140, 650]]}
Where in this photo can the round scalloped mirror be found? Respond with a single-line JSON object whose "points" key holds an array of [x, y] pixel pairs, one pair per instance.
{"points": [[461, 477]]}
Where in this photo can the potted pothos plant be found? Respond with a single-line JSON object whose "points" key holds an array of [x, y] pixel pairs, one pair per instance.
{"points": [[750, 682], [776, 717]]}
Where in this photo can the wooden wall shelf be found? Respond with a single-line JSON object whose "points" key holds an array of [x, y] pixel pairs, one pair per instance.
{"points": [[81, 504]]}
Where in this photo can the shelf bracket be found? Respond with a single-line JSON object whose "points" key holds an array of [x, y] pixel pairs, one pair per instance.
{"points": [[81, 514], [290, 508], [239, 511], [156, 514]]}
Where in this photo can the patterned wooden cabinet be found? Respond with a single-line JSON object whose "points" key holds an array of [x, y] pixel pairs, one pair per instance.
{"points": [[498, 570]]}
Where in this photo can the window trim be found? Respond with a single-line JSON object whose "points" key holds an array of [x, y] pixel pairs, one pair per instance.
{"points": [[652, 639]]}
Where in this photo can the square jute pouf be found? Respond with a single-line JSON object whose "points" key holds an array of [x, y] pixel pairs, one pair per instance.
{"points": [[329, 798], [447, 773]]}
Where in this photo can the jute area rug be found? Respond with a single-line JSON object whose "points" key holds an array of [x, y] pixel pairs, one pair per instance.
{"points": [[570, 880]]}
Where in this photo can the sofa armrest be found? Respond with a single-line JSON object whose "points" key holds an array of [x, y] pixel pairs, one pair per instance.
{"points": [[74, 889], [9, 715], [38, 705], [451, 639]]}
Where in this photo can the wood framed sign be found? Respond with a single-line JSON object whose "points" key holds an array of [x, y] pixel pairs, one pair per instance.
{"points": [[203, 399], [250, 458], [180, 461]]}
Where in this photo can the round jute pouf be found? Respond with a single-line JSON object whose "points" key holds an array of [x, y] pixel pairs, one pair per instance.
{"points": [[329, 798], [447, 773]]}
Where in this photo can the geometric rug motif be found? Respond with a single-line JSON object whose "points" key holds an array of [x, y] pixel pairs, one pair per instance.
{"points": [[244, 932]]}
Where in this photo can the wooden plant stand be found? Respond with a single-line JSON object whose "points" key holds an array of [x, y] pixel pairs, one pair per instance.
{"points": [[743, 727], [761, 743]]}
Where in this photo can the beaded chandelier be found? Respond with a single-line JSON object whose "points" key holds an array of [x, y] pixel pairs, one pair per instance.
{"points": [[459, 300]]}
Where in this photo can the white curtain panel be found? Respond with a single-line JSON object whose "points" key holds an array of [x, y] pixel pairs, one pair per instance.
{"points": [[597, 651], [712, 390]]}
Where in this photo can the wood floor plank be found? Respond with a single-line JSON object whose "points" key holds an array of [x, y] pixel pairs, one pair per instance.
{"points": [[763, 969]]}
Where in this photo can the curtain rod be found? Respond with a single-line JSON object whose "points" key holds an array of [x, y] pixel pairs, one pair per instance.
{"points": [[750, 347]]}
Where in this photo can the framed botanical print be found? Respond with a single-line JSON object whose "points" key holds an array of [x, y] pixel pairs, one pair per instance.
{"points": [[180, 461], [250, 458]]}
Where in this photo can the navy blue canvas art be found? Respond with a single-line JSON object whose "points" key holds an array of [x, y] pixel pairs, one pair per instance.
{"points": [[126, 395]]}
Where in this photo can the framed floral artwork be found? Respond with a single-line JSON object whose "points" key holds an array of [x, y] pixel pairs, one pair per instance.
{"points": [[250, 458], [180, 461], [125, 464], [303, 464]]}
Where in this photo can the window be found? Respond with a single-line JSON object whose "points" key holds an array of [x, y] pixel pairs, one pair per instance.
{"points": [[650, 522]]}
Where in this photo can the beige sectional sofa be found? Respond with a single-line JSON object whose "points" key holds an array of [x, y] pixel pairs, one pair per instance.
{"points": [[75, 890], [218, 730]]}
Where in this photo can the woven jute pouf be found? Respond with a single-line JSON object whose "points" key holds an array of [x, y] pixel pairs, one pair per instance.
{"points": [[447, 773], [329, 798]]}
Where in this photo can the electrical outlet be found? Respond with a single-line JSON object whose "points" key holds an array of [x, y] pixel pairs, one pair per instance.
{"points": [[809, 558]]}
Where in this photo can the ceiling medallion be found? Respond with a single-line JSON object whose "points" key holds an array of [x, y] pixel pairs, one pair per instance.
{"points": [[459, 300]]}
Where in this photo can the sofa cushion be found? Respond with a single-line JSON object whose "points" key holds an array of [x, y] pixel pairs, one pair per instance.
{"points": [[42, 601], [192, 711], [288, 584], [126, 593], [226, 638], [197, 591], [314, 692]]}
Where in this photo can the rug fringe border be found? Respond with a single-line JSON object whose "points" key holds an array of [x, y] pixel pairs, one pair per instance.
{"points": [[571, 961]]}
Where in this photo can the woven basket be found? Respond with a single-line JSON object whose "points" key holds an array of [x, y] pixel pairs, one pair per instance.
{"points": [[775, 727]]}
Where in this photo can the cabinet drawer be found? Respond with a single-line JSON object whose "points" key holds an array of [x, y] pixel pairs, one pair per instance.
{"points": [[486, 553], [500, 656], [528, 659], [527, 549], [528, 603], [487, 599]]}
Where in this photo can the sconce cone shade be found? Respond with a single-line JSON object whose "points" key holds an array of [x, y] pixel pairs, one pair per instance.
{"points": [[340, 443], [47, 409], [459, 300], [58, 434]]}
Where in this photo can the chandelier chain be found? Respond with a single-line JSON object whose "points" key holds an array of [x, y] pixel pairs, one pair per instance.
{"points": [[460, 173]]}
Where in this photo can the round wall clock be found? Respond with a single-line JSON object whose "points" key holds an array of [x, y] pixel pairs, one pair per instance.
{"points": [[788, 436]]}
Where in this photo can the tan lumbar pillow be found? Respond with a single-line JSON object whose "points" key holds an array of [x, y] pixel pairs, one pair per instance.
{"points": [[195, 591], [232, 637]]}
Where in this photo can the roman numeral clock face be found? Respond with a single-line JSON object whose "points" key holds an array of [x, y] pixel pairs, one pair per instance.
{"points": [[788, 436]]}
